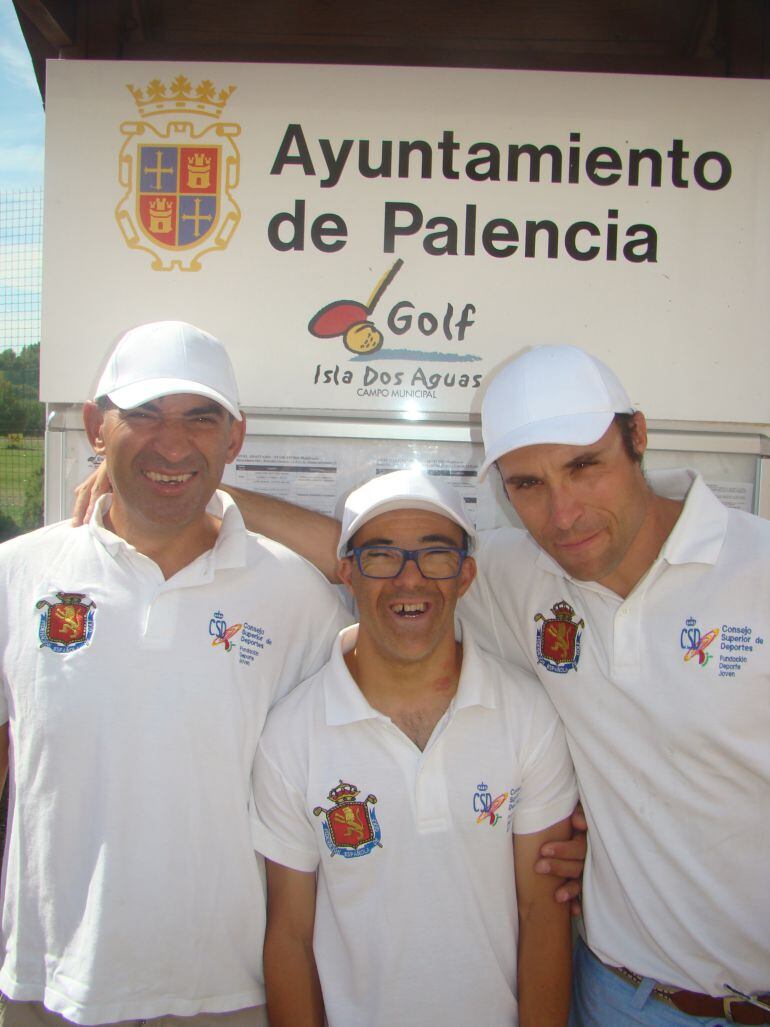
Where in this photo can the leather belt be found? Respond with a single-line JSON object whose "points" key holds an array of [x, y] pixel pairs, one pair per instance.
{"points": [[727, 1007]]}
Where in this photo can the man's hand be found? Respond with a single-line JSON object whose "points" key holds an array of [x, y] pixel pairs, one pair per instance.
{"points": [[87, 492], [566, 860]]}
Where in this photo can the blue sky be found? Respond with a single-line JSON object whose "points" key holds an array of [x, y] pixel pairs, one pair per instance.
{"points": [[21, 168], [21, 109]]}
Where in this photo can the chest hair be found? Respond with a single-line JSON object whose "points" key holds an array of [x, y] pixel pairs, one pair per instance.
{"points": [[419, 724]]}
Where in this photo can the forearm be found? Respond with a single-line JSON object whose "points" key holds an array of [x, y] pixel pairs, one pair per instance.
{"points": [[545, 936], [544, 967], [291, 980], [312, 535]]}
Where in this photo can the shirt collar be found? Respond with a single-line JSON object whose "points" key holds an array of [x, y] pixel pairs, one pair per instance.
{"points": [[474, 687], [699, 533], [229, 549], [345, 702]]}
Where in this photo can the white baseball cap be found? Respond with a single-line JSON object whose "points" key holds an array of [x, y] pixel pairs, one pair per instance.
{"points": [[549, 394], [165, 358], [402, 490]]}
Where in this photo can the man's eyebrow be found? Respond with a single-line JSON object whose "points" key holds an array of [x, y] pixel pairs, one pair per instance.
{"points": [[382, 541], [442, 540], [511, 479], [209, 408], [435, 539], [584, 457]]}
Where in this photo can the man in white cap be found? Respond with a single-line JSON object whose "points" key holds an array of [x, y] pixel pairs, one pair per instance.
{"points": [[139, 656], [641, 606], [402, 795]]}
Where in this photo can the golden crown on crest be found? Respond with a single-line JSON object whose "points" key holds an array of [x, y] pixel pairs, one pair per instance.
{"points": [[199, 162], [180, 96], [343, 793]]}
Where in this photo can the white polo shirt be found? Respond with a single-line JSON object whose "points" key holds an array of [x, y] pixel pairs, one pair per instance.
{"points": [[665, 697], [416, 917], [131, 887]]}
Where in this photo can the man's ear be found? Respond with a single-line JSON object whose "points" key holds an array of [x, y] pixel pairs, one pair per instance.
{"points": [[93, 419], [638, 425], [237, 435], [345, 572], [467, 574]]}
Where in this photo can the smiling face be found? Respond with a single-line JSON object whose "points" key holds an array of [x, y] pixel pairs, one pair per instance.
{"points": [[588, 507], [409, 618], [165, 459]]}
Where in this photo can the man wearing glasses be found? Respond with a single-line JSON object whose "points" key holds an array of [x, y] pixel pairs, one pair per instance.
{"points": [[402, 797]]}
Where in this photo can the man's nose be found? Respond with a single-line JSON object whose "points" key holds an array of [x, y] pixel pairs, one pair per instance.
{"points": [[410, 573], [172, 439], [564, 507]]}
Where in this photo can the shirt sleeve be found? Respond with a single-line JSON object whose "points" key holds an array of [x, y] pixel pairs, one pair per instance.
{"points": [[326, 617], [488, 607], [280, 827], [548, 789]]}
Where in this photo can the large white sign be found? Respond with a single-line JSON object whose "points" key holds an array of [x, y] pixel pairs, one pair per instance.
{"points": [[380, 239]]}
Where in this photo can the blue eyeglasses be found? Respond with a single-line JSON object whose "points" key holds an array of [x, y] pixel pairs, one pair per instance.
{"points": [[434, 562]]}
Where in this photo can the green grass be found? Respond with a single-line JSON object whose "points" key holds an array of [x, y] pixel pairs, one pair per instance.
{"points": [[18, 463]]}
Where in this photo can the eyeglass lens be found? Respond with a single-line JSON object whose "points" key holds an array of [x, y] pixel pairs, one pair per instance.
{"points": [[389, 561]]}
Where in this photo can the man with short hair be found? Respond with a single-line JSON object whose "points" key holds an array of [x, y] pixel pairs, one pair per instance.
{"points": [[642, 606], [140, 654], [402, 795]]}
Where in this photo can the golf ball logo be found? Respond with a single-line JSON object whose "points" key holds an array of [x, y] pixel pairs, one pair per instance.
{"points": [[351, 320]]}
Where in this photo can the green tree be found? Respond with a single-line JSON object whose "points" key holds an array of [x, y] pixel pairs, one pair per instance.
{"points": [[12, 412], [8, 527], [32, 511]]}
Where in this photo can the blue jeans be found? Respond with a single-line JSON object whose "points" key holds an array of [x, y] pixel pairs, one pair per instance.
{"points": [[602, 999]]}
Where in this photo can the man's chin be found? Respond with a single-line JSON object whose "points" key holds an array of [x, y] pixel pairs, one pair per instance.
{"points": [[580, 569]]}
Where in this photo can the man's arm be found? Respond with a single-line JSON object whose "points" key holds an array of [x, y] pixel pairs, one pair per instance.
{"points": [[545, 939], [291, 978], [566, 860], [312, 535]]}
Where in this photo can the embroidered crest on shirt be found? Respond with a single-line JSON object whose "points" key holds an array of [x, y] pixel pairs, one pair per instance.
{"points": [[223, 635], [350, 827], [66, 624], [247, 640], [485, 807], [695, 643], [558, 638], [737, 643]]}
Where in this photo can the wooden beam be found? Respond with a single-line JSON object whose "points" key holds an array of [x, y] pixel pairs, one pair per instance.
{"points": [[55, 20], [747, 38]]}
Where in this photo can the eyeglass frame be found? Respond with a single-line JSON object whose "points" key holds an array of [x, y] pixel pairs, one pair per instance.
{"points": [[406, 556]]}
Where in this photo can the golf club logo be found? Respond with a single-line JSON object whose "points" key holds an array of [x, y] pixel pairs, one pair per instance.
{"points": [[351, 320], [350, 827], [67, 623], [558, 638]]}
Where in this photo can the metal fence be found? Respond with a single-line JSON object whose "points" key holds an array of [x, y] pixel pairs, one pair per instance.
{"points": [[22, 417]]}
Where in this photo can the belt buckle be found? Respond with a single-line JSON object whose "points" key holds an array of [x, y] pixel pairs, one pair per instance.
{"points": [[728, 1001]]}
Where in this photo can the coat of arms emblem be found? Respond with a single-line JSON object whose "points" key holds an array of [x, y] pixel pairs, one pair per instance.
{"points": [[558, 638], [178, 167], [68, 624], [350, 827]]}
